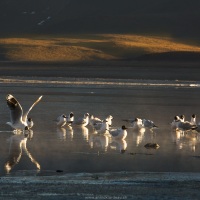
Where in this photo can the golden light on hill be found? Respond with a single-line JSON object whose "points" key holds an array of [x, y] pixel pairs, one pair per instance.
{"points": [[151, 44], [89, 47]]}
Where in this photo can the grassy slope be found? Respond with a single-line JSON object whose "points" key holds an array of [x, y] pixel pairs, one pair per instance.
{"points": [[88, 47]]}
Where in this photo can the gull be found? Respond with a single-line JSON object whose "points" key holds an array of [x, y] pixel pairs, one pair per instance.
{"points": [[137, 123], [109, 119], [146, 123], [174, 122], [182, 118], [70, 118], [102, 128], [119, 133], [193, 119], [185, 126], [61, 120], [17, 117], [30, 122], [94, 120], [82, 121]]}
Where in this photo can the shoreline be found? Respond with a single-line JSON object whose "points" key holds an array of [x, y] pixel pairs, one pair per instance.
{"points": [[108, 185]]}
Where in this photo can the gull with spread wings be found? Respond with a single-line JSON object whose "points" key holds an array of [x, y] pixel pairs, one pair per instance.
{"points": [[18, 119]]}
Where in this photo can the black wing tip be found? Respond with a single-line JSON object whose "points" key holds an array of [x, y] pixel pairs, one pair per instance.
{"points": [[11, 101]]}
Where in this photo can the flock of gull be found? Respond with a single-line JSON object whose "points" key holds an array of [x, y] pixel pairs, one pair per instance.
{"points": [[20, 121], [22, 124]]}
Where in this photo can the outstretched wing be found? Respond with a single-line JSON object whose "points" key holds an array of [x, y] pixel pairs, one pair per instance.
{"points": [[16, 111], [24, 118]]}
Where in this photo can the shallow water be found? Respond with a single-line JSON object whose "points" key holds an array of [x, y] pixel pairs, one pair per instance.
{"points": [[49, 148]]}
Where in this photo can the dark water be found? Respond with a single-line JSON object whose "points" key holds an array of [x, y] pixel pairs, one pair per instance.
{"points": [[50, 148]]}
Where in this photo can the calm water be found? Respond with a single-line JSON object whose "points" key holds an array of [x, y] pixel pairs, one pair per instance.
{"points": [[50, 148]]}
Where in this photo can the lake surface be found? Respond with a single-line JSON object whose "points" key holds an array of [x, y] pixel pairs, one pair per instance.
{"points": [[50, 148]]}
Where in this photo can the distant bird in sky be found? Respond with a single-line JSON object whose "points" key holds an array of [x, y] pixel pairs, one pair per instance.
{"points": [[18, 119]]}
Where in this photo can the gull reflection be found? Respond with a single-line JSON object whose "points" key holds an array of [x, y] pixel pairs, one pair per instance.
{"points": [[138, 136], [69, 132], [99, 141], [192, 138], [102, 132], [143, 135], [85, 133], [61, 133], [30, 134], [177, 135], [65, 133], [119, 145], [17, 144], [185, 139]]}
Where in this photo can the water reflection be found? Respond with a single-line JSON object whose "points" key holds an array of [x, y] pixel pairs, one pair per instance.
{"points": [[184, 139], [142, 135], [61, 133], [99, 141], [17, 145], [83, 131], [119, 145], [30, 134], [138, 136], [64, 134], [69, 133], [193, 138]]}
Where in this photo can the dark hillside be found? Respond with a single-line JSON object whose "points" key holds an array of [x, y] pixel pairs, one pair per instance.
{"points": [[171, 17]]}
